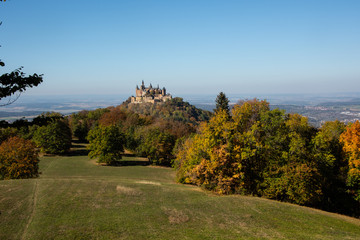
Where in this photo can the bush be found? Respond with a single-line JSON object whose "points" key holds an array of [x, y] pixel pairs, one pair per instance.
{"points": [[18, 159]]}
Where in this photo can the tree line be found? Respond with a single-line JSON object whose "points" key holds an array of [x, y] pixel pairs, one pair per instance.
{"points": [[107, 131], [249, 149]]}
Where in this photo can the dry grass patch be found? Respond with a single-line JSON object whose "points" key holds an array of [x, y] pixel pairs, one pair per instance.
{"points": [[127, 191], [175, 216], [148, 182]]}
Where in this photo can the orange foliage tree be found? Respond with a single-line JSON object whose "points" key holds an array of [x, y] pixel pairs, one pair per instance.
{"points": [[18, 159]]}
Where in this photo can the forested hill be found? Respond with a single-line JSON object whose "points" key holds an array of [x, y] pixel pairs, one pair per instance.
{"points": [[175, 109]]}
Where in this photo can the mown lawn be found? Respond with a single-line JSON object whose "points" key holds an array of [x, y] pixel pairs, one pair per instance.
{"points": [[76, 199]]}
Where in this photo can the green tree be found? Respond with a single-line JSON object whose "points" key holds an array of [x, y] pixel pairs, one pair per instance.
{"points": [[156, 145], [330, 159], [80, 124], [54, 138], [106, 143]]}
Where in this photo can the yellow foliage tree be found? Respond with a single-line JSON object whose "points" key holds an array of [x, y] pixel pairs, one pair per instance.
{"points": [[351, 141]]}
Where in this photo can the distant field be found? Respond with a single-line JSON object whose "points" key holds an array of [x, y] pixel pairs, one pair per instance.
{"points": [[76, 199]]}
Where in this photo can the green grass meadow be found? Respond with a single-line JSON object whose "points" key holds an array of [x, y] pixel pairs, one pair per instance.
{"points": [[76, 199]]}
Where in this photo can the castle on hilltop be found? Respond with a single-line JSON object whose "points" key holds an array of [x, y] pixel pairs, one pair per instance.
{"points": [[150, 94]]}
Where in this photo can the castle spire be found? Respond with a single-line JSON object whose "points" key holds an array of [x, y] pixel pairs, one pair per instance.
{"points": [[142, 85]]}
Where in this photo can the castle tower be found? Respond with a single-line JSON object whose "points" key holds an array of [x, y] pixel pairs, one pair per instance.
{"points": [[138, 91]]}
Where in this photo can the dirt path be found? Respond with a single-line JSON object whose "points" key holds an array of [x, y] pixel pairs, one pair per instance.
{"points": [[35, 197]]}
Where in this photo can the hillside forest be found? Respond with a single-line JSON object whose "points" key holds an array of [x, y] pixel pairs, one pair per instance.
{"points": [[249, 149]]}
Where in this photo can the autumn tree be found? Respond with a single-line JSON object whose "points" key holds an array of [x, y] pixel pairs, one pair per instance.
{"points": [[225, 155], [189, 155], [255, 151], [18, 159], [351, 140], [113, 116]]}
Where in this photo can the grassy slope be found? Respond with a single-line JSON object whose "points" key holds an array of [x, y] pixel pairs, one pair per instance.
{"points": [[76, 199]]}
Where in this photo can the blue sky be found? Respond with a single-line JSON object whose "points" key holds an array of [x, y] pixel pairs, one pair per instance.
{"points": [[188, 46]]}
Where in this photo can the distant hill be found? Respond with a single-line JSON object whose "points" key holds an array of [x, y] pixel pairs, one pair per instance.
{"points": [[174, 109], [352, 102]]}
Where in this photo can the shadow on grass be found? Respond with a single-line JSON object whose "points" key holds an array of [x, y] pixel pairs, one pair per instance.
{"points": [[78, 146], [129, 159], [76, 152], [124, 163], [128, 155], [75, 141]]}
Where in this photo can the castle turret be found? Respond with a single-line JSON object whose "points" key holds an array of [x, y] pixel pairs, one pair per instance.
{"points": [[142, 85]]}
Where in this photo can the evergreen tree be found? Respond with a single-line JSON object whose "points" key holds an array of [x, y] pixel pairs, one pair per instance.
{"points": [[222, 103]]}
